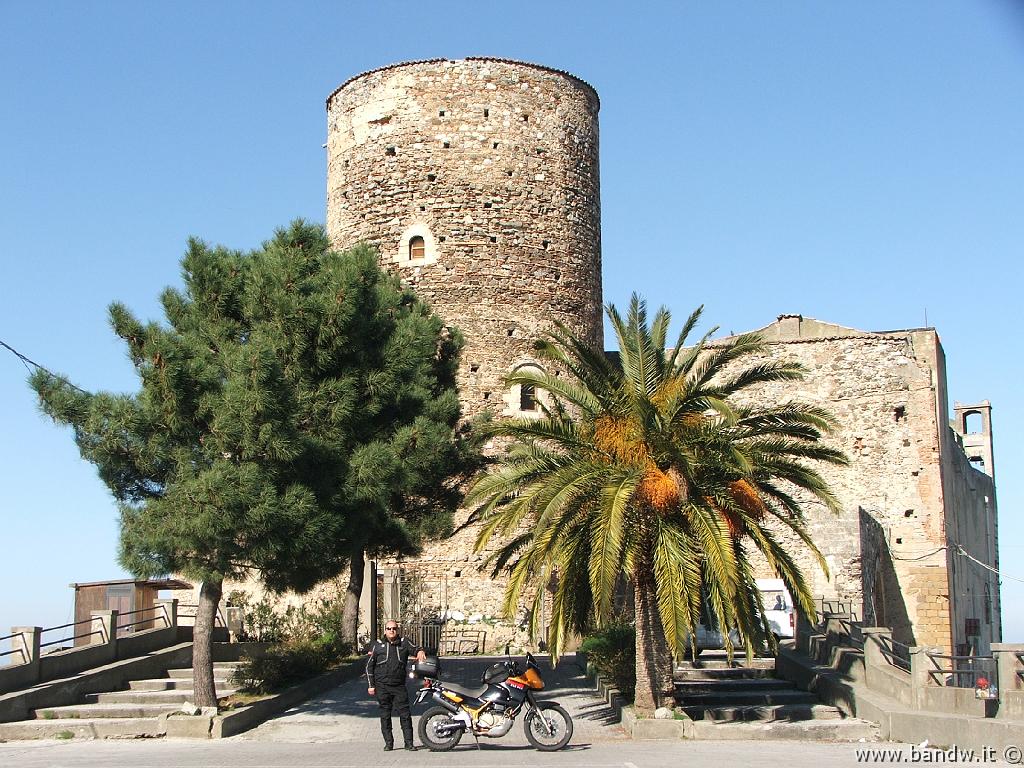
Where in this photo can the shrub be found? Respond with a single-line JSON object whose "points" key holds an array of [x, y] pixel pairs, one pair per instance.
{"points": [[612, 650], [307, 642]]}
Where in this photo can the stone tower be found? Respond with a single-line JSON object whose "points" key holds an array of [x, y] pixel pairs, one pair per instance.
{"points": [[477, 180]]}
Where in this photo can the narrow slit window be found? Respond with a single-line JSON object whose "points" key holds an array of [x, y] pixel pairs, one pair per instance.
{"points": [[527, 397], [417, 248]]}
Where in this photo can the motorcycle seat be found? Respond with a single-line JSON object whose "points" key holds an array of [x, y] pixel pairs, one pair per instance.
{"points": [[473, 693]]}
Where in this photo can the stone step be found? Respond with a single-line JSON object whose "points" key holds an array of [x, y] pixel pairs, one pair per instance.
{"points": [[83, 728], [220, 669], [771, 713], [178, 696], [739, 698], [721, 662], [172, 684], [850, 729], [728, 673], [104, 711], [695, 687]]}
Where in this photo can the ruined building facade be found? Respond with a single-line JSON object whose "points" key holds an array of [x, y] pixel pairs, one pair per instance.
{"points": [[478, 182]]}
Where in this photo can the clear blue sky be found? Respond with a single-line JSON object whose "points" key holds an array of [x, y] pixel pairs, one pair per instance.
{"points": [[856, 162]]}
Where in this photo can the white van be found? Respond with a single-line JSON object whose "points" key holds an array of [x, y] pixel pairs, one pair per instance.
{"points": [[778, 607]]}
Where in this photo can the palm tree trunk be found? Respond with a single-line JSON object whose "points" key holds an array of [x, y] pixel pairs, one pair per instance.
{"points": [[350, 611], [202, 639], [653, 662]]}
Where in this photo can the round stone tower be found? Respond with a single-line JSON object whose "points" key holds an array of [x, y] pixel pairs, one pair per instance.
{"points": [[477, 180]]}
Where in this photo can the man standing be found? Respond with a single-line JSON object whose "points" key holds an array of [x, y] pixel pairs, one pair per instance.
{"points": [[385, 677]]}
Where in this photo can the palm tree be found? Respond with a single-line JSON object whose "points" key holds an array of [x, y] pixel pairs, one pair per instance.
{"points": [[654, 468]]}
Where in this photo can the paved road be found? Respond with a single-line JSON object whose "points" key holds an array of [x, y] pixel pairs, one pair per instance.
{"points": [[340, 730], [347, 714]]}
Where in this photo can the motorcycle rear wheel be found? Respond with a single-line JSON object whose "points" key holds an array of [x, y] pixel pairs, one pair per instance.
{"points": [[430, 738], [537, 729]]}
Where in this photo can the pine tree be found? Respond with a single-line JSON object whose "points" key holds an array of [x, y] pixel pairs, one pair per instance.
{"points": [[297, 408]]}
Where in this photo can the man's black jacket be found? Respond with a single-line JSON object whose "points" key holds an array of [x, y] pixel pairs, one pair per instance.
{"points": [[387, 661]]}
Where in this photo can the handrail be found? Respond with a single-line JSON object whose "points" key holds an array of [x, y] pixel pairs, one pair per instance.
{"points": [[957, 673], [15, 650], [217, 617], [891, 650], [12, 635], [71, 637], [128, 624], [65, 626]]}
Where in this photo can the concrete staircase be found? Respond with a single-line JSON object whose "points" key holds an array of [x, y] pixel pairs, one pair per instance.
{"points": [[139, 712], [730, 701]]}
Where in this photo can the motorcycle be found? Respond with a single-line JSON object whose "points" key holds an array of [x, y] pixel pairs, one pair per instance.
{"points": [[506, 691]]}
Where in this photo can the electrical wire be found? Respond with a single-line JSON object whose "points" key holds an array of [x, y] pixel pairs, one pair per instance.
{"points": [[961, 551], [920, 557], [27, 361]]}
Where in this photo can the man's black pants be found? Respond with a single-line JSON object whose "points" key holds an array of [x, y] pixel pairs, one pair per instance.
{"points": [[394, 697]]}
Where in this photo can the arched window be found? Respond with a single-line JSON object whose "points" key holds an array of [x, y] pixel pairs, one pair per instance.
{"points": [[417, 247]]}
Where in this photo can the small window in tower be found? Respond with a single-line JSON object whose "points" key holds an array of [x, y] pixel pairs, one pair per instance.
{"points": [[440, 113], [391, 151], [487, 205], [447, 145], [900, 412], [494, 238], [526, 118], [527, 397], [495, 145], [441, 239], [431, 177], [973, 423], [487, 112], [545, 244], [417, 248]]}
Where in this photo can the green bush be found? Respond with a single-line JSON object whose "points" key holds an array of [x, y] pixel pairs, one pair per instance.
{"points": [[307, 642], [612, 650]]}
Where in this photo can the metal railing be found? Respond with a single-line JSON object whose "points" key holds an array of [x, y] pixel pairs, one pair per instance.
{"points": [[188, 611], [20, 650], [961, 671], [74, 636], [896, 653], [130, 625]]}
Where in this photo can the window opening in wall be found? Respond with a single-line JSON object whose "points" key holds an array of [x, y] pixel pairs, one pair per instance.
{"points": [[431, 177], [487, 205], [988, 604], [508, 173], [474, 368], [545, 244], [441, 239], [495, 146], [392, 151], [972, 423], [440, 113], [487, 395], [899, 412], [423, 207], [458, 574], [526, 118], [511, 331], [972, 627], [494, 239], [527, 397], [447, 145], [487, 112], [909, 513], [417, 248], [977, 462]]}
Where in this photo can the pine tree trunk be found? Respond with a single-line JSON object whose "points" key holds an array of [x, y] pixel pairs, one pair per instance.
{"points": [[350, 611], [202, 640], [653, 662]]}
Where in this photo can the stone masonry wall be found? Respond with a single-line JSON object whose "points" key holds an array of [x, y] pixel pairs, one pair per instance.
{"points": [[495, 165]]}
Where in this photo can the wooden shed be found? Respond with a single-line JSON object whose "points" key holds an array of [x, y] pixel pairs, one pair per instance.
{"points": [[126, 596]]}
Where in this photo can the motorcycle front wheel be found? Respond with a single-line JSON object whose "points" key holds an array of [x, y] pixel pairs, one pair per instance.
{"points": [[434, 733], [548, 729]]}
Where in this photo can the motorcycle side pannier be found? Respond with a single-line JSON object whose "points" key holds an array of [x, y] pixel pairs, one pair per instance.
{"points": [[429, 667], [497, 673]]}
